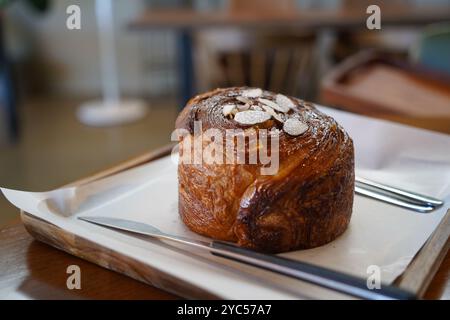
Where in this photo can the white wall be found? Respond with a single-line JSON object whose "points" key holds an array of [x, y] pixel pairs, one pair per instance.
{"points": [[71, 56]]}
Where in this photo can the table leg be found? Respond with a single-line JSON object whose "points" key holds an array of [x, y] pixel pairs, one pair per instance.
{"points": [[186, 67], [7, 90]]}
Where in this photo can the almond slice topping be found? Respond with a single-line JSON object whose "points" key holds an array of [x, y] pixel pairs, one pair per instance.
{"points": [[251, 117], [273, 105], [284, 101], [294, 127], [252, 93], [243, 107], [243, 100], [272, 112], [228, 109]]}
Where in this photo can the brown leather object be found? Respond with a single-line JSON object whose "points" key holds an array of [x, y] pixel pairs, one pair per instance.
{"points": [[307, 203]]}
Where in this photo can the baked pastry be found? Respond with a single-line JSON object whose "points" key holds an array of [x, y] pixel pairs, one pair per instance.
{"points": [[306, 203]]}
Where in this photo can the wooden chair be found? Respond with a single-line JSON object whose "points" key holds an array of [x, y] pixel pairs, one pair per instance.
{"points": [[381, 86], [273, 60]]}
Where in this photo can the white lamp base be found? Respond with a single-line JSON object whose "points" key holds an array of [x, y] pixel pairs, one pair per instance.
{"points": [[103, 113]]}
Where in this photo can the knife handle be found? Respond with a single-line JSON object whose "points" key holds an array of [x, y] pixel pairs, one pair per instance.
{"points": [[323, 277]]}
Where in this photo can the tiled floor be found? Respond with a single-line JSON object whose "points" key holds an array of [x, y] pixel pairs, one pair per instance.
{"points": [[55, 149]]}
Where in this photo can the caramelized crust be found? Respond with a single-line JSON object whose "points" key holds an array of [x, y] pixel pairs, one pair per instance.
{"points": [[306, 204]]}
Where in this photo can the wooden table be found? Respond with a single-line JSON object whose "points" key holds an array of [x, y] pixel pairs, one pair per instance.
{"points": [[269, 19], [185, 21], [32, 270]]}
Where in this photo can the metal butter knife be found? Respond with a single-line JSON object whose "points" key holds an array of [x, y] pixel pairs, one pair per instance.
{"points": [[323, 277], [399, 197]]}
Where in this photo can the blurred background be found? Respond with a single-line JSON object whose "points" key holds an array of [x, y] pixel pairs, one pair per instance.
{"points": [[163, 52]]}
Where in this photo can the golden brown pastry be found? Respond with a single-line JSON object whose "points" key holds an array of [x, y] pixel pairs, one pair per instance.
{"points": [[306, 203]]}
